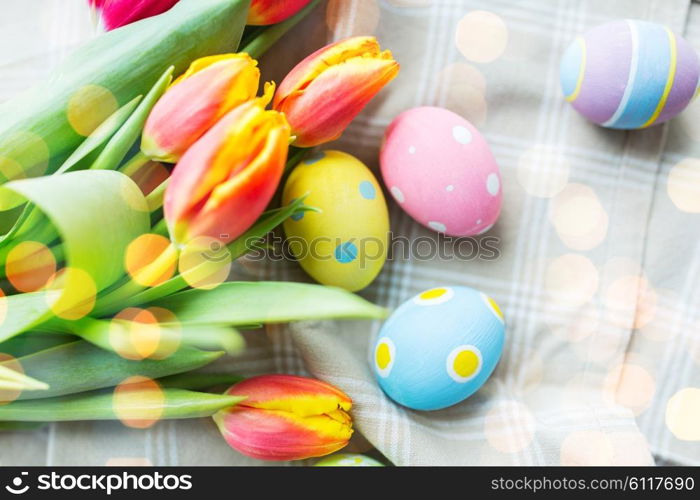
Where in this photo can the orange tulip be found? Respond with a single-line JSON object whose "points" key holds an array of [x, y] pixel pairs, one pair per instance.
{"points": [[225, 180], [210, 88], [327, 90], [285, 417], [264, 12]]}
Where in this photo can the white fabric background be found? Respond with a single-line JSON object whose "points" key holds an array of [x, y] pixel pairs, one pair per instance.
{"points": [[589, 215]]}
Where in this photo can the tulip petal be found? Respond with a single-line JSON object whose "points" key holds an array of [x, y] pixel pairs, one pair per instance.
{"points": [[327, 90], [226, 179], [300, 395], [324, 58], [117, 13]]}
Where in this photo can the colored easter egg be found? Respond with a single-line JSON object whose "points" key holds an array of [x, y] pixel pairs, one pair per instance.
{"points": [[441, 171], [348, 460], [344, 244], [439, 347], [629, 74]]}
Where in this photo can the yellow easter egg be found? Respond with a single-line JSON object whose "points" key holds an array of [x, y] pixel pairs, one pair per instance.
{"points": [[344, 244]]}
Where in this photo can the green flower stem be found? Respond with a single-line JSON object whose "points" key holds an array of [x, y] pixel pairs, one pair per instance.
{"points": [[10, 377], [261, 43], [133, 294], [161, 228]]}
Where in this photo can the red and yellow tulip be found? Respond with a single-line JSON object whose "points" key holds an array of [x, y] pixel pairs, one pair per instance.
{"points": [[211, 87], [264, 12], [327, 90], [118, 13], [285, 417], [225, 180]]}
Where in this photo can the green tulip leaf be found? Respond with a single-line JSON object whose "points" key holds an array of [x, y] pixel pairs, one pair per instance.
{"points": [[119, 145], [245, 303], [25, 310], [11, 379], [29, 219], [99, 137], [32, 342], [80, 366], [200, 381]]}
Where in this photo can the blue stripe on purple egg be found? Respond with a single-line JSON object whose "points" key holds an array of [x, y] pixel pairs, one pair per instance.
{"points": [[605, 78], [651, 75]]}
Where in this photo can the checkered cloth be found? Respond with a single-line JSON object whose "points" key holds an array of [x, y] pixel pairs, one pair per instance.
{"points": [[599, 268]]}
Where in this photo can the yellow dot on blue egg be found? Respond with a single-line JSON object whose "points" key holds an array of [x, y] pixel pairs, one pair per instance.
{"points": [[464, 363], [367, 190], [346, 252], [434, 296]]}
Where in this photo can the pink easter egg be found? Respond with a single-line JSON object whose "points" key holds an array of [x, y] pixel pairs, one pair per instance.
{"points": [[441, 171]]}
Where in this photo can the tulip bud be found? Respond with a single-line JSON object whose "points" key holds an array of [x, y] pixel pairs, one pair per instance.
{"points": [[117, 13], [285, 417], [225, 180], [327, 90], [210, 88], [264, 12]]}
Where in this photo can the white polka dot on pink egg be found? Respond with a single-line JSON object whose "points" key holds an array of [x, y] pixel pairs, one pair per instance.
{"points": [[441, 171]]}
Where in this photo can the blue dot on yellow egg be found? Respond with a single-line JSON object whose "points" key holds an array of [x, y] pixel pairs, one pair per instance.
{"points": [[346, 252], [367, 190]]}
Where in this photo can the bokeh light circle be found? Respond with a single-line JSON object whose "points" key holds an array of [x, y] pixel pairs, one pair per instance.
{"points": [[150, 260], [683, 185], [543, 171], [73, 293], [136, 333], [683, 414], [481, 36], [204, 262]]}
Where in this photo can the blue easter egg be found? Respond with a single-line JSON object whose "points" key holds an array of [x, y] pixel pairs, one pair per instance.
{"points": [[439, 347]]}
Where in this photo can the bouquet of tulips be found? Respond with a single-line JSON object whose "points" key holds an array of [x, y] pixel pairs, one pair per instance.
{"points": [[131, 180]]}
